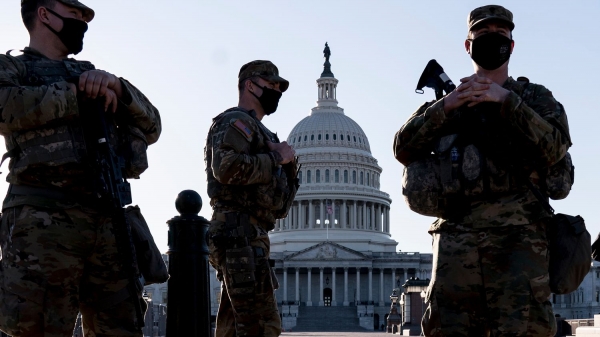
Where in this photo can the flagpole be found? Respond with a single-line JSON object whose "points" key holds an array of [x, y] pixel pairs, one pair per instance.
{"points": [[327, 224]]}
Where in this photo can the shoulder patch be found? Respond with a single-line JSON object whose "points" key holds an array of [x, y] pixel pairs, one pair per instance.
{"points": [[242, 128]]}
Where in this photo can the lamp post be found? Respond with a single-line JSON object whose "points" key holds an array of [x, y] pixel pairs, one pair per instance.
{"points": [[393, 320]]}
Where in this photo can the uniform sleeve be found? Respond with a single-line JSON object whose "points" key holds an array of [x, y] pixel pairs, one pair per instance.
{"points": [[233, 162], [26, 107], [541, 124], [141, 112], [416, 137]]}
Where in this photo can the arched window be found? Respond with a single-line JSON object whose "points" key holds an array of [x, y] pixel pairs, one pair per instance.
{"points": [[308, 177], [312, 137], [300, 177], [354, 177], [362, 182], [327, 175], [341, 137], [337, 176], [346, 176], [319, 137], [318, 176], [359, 140], [355, 139], [327, 137], [334, 136], [348, 137], [368, 180]]}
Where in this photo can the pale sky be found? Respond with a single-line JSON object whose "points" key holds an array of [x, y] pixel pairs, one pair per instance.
{"points": [[185, 56]]}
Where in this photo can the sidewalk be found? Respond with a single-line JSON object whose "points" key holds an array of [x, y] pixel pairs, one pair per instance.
{"points": [[336, 334]]}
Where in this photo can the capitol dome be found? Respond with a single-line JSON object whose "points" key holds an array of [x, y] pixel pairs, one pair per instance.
{"points": [[339, 197]]}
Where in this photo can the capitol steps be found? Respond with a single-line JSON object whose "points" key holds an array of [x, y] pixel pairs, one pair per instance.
{"points": [[327, 319]]}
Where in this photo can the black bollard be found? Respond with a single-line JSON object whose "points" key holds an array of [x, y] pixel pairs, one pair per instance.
{"points": [[188, 307]]}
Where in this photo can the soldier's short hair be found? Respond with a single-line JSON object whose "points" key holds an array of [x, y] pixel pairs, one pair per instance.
{"points": [[29, 10], [242, 84]]}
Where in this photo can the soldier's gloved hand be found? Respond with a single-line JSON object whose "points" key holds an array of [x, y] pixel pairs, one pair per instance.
{"points": [[95, 83], [284, 149]]}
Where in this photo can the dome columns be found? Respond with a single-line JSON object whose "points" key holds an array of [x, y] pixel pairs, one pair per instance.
{"points": [[345, 214]]}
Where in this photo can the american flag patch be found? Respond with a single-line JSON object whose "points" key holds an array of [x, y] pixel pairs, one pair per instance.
{"points": [[242, 127]]}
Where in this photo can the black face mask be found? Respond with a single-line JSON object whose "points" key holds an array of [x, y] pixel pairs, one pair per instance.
{"points": [[71, 34], [269, 99], [491, 50]]}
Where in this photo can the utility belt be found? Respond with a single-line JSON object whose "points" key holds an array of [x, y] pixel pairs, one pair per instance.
{"points": [[246, 264], [54, 194]]}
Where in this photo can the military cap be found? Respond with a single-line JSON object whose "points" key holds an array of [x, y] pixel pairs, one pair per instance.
{"points": [[88, 13], [263, 69], [490, 12]]}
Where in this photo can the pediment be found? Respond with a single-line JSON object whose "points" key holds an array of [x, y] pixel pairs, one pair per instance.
{"points": [[326, 251]]}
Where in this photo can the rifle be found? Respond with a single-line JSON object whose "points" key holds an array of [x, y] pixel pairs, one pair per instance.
{"points": [[114, 192], [434, 77]]}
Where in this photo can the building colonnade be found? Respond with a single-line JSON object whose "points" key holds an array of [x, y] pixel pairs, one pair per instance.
{"points": [[397, 276], [334, 213]]}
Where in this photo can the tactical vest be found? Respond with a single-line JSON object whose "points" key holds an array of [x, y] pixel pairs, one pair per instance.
{"points": [[458, 172], [62, 141], [267, 201]]}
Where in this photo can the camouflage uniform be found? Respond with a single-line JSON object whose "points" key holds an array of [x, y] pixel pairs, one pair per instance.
{"points": [[244, 178], [58, 249], [490, 269]]}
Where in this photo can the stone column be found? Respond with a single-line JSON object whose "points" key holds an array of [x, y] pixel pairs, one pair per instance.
{"points": [[285, 298], [405, 275], [311, 215], [354, 216], [373, 223], [321, 286], [387, 218], [291, 217], [322, 217], [300, 215], [381, 302], [378, 218], [346, 303], [364, 215], [333, 301], [298, 285], [370, 284], [343, 215], [357, 286], [394, 285], [309, 294], [332, 215]]}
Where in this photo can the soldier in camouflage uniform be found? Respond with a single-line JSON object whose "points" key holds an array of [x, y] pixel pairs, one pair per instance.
{"points": [[59, 255], [490, 268], [250, 183]]}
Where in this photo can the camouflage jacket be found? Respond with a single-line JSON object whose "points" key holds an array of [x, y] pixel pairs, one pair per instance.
{"points": [[40, 117], [242, 173], [519, 139]]}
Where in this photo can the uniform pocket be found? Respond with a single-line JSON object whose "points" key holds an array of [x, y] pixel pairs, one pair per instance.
{"points": [[540, 288], [541, 317]]}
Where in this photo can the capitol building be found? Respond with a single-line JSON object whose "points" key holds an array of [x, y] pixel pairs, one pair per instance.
{"points": [[334, 249]]}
